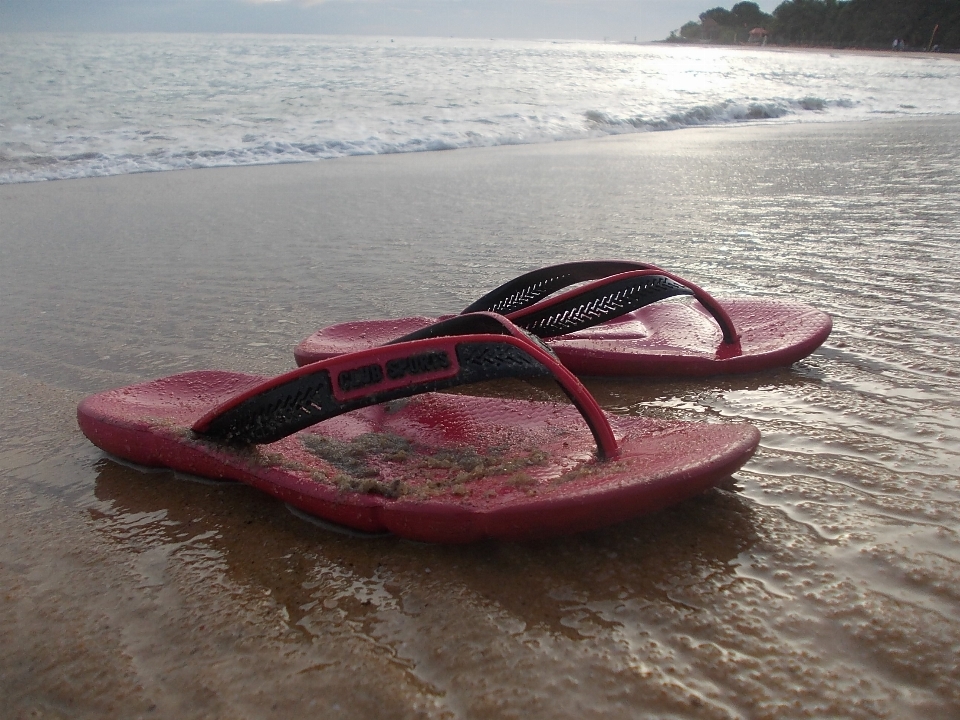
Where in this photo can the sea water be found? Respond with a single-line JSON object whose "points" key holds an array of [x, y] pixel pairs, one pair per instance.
{"points": [[91, 105]]}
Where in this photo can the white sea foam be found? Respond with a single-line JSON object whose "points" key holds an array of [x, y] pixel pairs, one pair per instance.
{"points": [[85, 105]]}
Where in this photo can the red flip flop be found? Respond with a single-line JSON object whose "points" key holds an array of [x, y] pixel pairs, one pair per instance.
{"points": [[362, 440], [616, 324]]}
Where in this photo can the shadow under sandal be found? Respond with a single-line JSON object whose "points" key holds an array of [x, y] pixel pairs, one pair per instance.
{"points": [[618, 324], [364, 441]]}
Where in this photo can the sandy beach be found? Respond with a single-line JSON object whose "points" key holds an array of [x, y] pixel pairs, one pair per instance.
{"points": [[912, 53], [822, 580]]}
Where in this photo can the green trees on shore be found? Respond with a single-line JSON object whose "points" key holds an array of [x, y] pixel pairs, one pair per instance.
{"points": [[726, 26], [920, 24]]}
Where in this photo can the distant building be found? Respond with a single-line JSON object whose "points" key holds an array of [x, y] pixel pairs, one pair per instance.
{"points": [[758, 35]]}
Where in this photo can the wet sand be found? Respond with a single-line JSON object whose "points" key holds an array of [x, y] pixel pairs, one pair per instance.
{"points": [[823, 580]]}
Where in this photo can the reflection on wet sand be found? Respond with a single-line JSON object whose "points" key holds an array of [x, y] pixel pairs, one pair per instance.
{"points": [[428, 610], [537, 584]]}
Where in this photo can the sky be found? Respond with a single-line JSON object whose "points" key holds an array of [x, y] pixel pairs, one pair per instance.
{"points": [[615, 20]]}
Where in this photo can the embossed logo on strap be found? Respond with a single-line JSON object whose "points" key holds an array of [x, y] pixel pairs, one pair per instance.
{"points": [[360, 377], [417, 364], [393, 368]]}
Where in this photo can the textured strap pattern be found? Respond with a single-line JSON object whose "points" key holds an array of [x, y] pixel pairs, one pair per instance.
{"points": [[597, 303], [276, 412], [531, 287]]}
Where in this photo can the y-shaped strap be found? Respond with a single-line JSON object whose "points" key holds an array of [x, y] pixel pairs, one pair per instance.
{"points": [[463, 350], [526, 290]]}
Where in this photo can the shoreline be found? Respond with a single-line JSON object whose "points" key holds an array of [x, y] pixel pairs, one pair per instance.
{"points": [[817, 49], [785, 121]]}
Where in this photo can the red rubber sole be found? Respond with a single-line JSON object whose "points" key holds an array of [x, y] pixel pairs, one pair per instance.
{"points": [[434, 468], [672, 338]]}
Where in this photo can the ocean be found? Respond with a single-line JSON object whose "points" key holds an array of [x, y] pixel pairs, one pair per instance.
{"points": [[81, 105]]}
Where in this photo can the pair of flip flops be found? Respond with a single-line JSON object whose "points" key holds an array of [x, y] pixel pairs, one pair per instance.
{"points": [[360, 436]]}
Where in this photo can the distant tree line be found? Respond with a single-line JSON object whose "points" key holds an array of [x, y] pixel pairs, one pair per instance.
{"points": [[725, 26], [919, 24]]}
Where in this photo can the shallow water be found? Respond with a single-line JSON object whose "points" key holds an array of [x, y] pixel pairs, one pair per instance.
{"points": [[821, 581]]}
